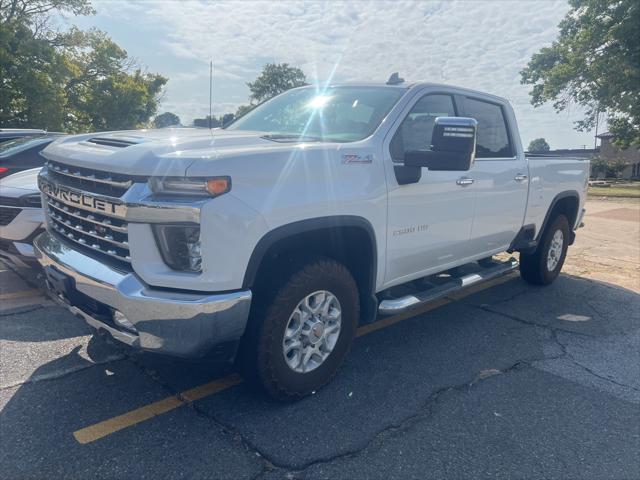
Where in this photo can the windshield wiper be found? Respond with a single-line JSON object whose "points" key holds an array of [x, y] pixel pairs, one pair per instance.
{"points": [[291, 137]]}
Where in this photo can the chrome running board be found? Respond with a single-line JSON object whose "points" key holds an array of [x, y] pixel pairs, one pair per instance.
{"points": [[398, 305]]}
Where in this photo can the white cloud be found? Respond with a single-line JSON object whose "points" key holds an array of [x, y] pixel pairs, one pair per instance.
{"points": [[477, 44]]}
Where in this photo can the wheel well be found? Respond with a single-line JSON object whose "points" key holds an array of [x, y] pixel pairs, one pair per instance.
{"points": [[351, 245], [566, 204]]}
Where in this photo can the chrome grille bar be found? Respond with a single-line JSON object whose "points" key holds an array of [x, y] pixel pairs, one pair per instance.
{"points": [[94, 245], [67, 223], [88, 217], [94, 176]]}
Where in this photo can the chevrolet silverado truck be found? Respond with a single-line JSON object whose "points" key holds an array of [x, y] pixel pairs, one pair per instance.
{"points": [[270, 240]]}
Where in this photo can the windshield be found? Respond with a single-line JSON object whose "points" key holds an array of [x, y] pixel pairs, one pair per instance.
{"points": [[339, 114], [11, 147]]}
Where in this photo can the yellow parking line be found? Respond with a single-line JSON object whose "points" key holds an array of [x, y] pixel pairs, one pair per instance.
{"points": [[107, 427]]}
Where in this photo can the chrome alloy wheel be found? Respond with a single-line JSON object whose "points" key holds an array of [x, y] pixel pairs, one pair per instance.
{"points": [[312, 331], [555, 250]]}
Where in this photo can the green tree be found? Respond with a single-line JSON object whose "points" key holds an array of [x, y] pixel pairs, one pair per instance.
{"points": [[32, 78], [242, 109], [539, 145], [205, 122], [274, 79], [594, 63], [609, 168], [227, 118], [34, 12], [166, 119], [68, 80]]}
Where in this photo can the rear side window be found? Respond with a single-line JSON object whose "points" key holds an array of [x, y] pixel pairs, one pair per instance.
{"points": [[493, 136], [417, 128]]}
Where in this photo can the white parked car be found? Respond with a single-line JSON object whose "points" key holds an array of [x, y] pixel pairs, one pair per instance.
{"points": [[276, 236], [21, 217]]}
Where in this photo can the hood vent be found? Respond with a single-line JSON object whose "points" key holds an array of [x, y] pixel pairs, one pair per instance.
{"points": [[111, 142]]}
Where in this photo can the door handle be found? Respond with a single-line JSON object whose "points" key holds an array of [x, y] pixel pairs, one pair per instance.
{"points": [[464, 181], [520, 178]]}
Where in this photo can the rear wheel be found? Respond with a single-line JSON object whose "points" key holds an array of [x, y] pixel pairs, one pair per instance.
{"points": [[543, 266], [305, 331]]}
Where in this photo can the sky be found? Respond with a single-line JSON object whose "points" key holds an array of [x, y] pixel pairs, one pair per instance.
{"points": [[476, 44]]}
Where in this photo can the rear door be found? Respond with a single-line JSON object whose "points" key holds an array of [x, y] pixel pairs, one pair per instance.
{"points": [[500, 177], [429, 220]]}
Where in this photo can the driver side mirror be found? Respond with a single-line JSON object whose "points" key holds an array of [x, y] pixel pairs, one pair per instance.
{"points": [[453, 146]]}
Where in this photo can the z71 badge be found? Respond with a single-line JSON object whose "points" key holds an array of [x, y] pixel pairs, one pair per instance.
{"points": [[350, 158]]}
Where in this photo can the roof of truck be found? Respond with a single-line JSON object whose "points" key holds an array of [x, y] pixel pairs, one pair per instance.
{"points": [[409, 85]]}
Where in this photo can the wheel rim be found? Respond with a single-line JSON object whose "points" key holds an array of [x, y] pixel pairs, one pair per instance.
{"points": [[312, 331], [555, 250]]}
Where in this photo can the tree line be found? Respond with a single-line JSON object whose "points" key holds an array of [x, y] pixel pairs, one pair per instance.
{"points": [[73, 80], [68, 80]]}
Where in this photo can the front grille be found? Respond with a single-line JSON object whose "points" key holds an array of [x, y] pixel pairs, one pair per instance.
{"points": [[8, 214], [99, 234], [91, 181], [105, 235]]}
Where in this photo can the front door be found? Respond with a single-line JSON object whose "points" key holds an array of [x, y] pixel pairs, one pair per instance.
{"points": [[429, 222]]}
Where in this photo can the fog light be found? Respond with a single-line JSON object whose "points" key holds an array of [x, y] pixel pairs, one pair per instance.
{"points": [[180, 246], [122, 321]]}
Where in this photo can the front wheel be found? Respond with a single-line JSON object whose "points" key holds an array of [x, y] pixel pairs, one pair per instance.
{"points": [[307, 330], [543, 266]]}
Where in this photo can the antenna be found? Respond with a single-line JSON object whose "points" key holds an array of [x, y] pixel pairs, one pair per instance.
{"points": [[395, 79], [210, 89]]}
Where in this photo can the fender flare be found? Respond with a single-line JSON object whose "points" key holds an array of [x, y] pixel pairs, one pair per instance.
{"points": [[305, 226], [554, 202]]}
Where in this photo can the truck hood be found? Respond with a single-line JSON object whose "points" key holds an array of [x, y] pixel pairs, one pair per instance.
{"points": [[19, 184], [163, 152]]}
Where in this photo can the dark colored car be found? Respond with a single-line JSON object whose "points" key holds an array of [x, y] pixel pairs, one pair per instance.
{"points": [[23, 153], [7, 134]]}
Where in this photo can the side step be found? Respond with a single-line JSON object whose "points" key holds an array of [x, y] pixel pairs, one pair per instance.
{"points": [[399, 305]]}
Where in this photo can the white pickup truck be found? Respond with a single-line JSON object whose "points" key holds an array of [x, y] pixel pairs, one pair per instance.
{"points": [[272, 239]]}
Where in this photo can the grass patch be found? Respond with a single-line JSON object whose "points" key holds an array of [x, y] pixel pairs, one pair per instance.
{"points": [[631, 191]]}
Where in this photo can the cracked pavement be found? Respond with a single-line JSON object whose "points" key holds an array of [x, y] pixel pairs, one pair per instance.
{"points": [[513, 381]]}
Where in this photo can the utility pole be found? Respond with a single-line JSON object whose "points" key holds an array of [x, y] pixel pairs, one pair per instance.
{"points": [[210, 89], [595, 138]]}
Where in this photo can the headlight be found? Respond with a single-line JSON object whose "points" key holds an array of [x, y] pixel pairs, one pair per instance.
{"points": [[180, 246], [190, 187]]}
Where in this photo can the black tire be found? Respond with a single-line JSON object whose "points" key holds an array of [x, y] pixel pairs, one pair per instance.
{"points": [[533, 266], [263, 361]]}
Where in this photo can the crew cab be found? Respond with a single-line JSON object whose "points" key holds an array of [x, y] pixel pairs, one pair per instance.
{"points": [[272, 239]]}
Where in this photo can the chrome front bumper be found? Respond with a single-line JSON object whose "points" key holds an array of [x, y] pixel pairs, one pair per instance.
{"points": [[185, 324]]}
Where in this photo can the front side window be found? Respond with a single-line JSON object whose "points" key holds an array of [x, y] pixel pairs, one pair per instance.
{"points": [[417, 128], [338, 114], [493, 136]]}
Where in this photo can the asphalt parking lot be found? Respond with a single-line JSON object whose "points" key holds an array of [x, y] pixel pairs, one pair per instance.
{"points": [[506, 381]]}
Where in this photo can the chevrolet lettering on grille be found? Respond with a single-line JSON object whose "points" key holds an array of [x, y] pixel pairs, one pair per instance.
{"points": [[74, 197]]}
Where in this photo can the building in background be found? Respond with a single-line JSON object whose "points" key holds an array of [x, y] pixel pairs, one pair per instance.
{"points": [[612, 154]]}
